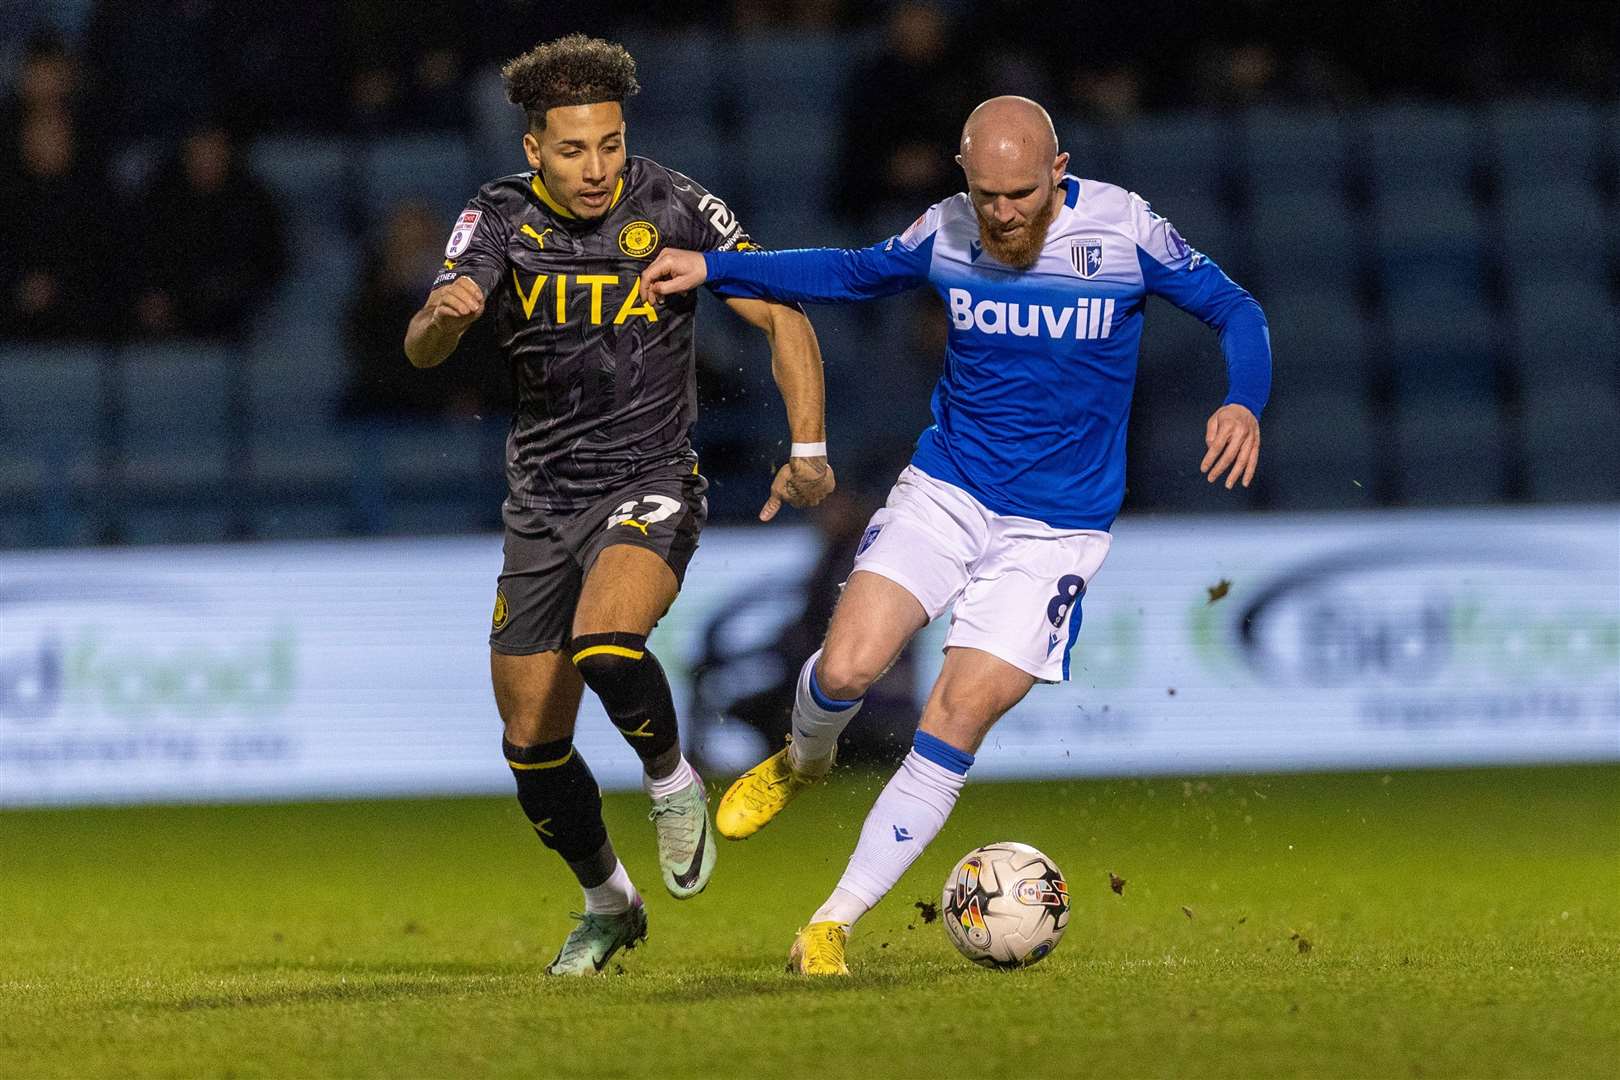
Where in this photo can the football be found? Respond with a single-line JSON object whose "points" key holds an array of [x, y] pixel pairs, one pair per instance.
{"points": [[1005, 906]]}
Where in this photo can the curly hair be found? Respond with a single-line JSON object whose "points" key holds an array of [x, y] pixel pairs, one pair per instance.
{"points": [[573, 70]]}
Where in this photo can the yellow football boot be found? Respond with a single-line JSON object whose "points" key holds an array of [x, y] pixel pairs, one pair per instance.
{"points": [[819, 950], [758, 795]]}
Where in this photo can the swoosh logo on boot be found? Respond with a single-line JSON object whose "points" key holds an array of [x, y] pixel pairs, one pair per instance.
{"points": [[686, 880]]}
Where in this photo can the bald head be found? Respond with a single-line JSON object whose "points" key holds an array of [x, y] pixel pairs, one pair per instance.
{"points": [[1010, 156], [1010, 130]]}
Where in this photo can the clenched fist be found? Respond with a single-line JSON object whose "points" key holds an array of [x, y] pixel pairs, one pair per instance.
{"points": [[454, 307]]}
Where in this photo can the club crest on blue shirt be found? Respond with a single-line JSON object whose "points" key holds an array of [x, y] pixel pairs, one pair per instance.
{"points": [[1087, 255]]}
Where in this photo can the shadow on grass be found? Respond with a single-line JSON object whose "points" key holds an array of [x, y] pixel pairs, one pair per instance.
{"points": [[271, 984]]}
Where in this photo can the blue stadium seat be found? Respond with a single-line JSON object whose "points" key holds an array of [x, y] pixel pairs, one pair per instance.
{"points": [[309, 305], [1320, 343], [297, 371], [50, 411], [1553, 232], [1572, 444], [1092, 148], [1164, 467], [51, 422], [194, 524], [178, 417], [500, 126], [447, 515], [1435, 237], [789, 73], [694, 147], [790, 158], [69, 17], [1291, 151], [299, 519], [436, 169], [1422, 148], [1174, 155], [1544, 143], [427, 457], [1305, 241], [1203, 222], [313, 459], [302, 170], [1174, 335], [1440, 342], [310, 178], [22, 529], [1449, 453], [1320, 450], [683, 74], [1569, 337]]}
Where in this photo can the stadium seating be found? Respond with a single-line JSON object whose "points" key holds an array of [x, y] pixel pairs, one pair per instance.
{"points": [[1448, 453], [805, 73], [1429, 237], [437, 169], [692, 145], [1320, 344], [180, 408], [1421, 148], [1175, 155], [1443, 272], [1319, 450], [1307, 239], [689, 71], [1568, 339], [1291, 152], [52, 420], [1441, 340], [1572, 443], [1542, 143], [1553, 231]]}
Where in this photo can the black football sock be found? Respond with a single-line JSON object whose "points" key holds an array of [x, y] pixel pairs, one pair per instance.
{"points": [[560, 798], [635, 693]]}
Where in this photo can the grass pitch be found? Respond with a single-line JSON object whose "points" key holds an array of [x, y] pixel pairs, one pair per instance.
{"points": [[1410, 924]]}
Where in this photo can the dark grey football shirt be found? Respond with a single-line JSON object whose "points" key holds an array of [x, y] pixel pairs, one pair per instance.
{"points": [[606, 383]]}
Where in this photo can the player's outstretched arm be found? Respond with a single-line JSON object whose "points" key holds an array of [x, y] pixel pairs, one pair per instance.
{"points": [[1233, 440], [806, 479], [801, 275], [436, 330]]}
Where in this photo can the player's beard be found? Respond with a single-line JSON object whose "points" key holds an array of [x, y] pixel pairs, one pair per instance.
{"points": [[1023, 248]]}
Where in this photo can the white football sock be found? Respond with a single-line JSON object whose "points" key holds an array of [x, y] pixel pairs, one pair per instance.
{"points": [[682, 775], [817, 722], [908, 814], [614, 896]]}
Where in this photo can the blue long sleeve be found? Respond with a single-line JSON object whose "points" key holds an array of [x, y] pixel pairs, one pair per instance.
{"points": [[1203, 289], [820, 275]]}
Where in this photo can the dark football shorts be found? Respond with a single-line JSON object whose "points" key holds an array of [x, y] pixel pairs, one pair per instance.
{"points": [[549, 554]]}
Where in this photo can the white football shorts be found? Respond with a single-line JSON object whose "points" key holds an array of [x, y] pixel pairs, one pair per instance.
{"points": [[1016, 582]]}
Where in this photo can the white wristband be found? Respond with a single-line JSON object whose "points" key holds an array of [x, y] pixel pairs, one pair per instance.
{"points": [[809, 449]]}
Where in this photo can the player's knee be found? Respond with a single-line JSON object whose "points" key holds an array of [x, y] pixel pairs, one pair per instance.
{"points": [[845, 675], [531, 726], [607, 659]]}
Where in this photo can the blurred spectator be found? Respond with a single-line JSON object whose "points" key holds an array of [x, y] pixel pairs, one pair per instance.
{"points": [[396, 279], [48, 80], [51, 257], [212, 248], [904, 118], [404, 79]]}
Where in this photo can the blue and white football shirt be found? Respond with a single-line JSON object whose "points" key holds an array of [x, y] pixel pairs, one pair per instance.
{"points": [[1030, 412]]}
